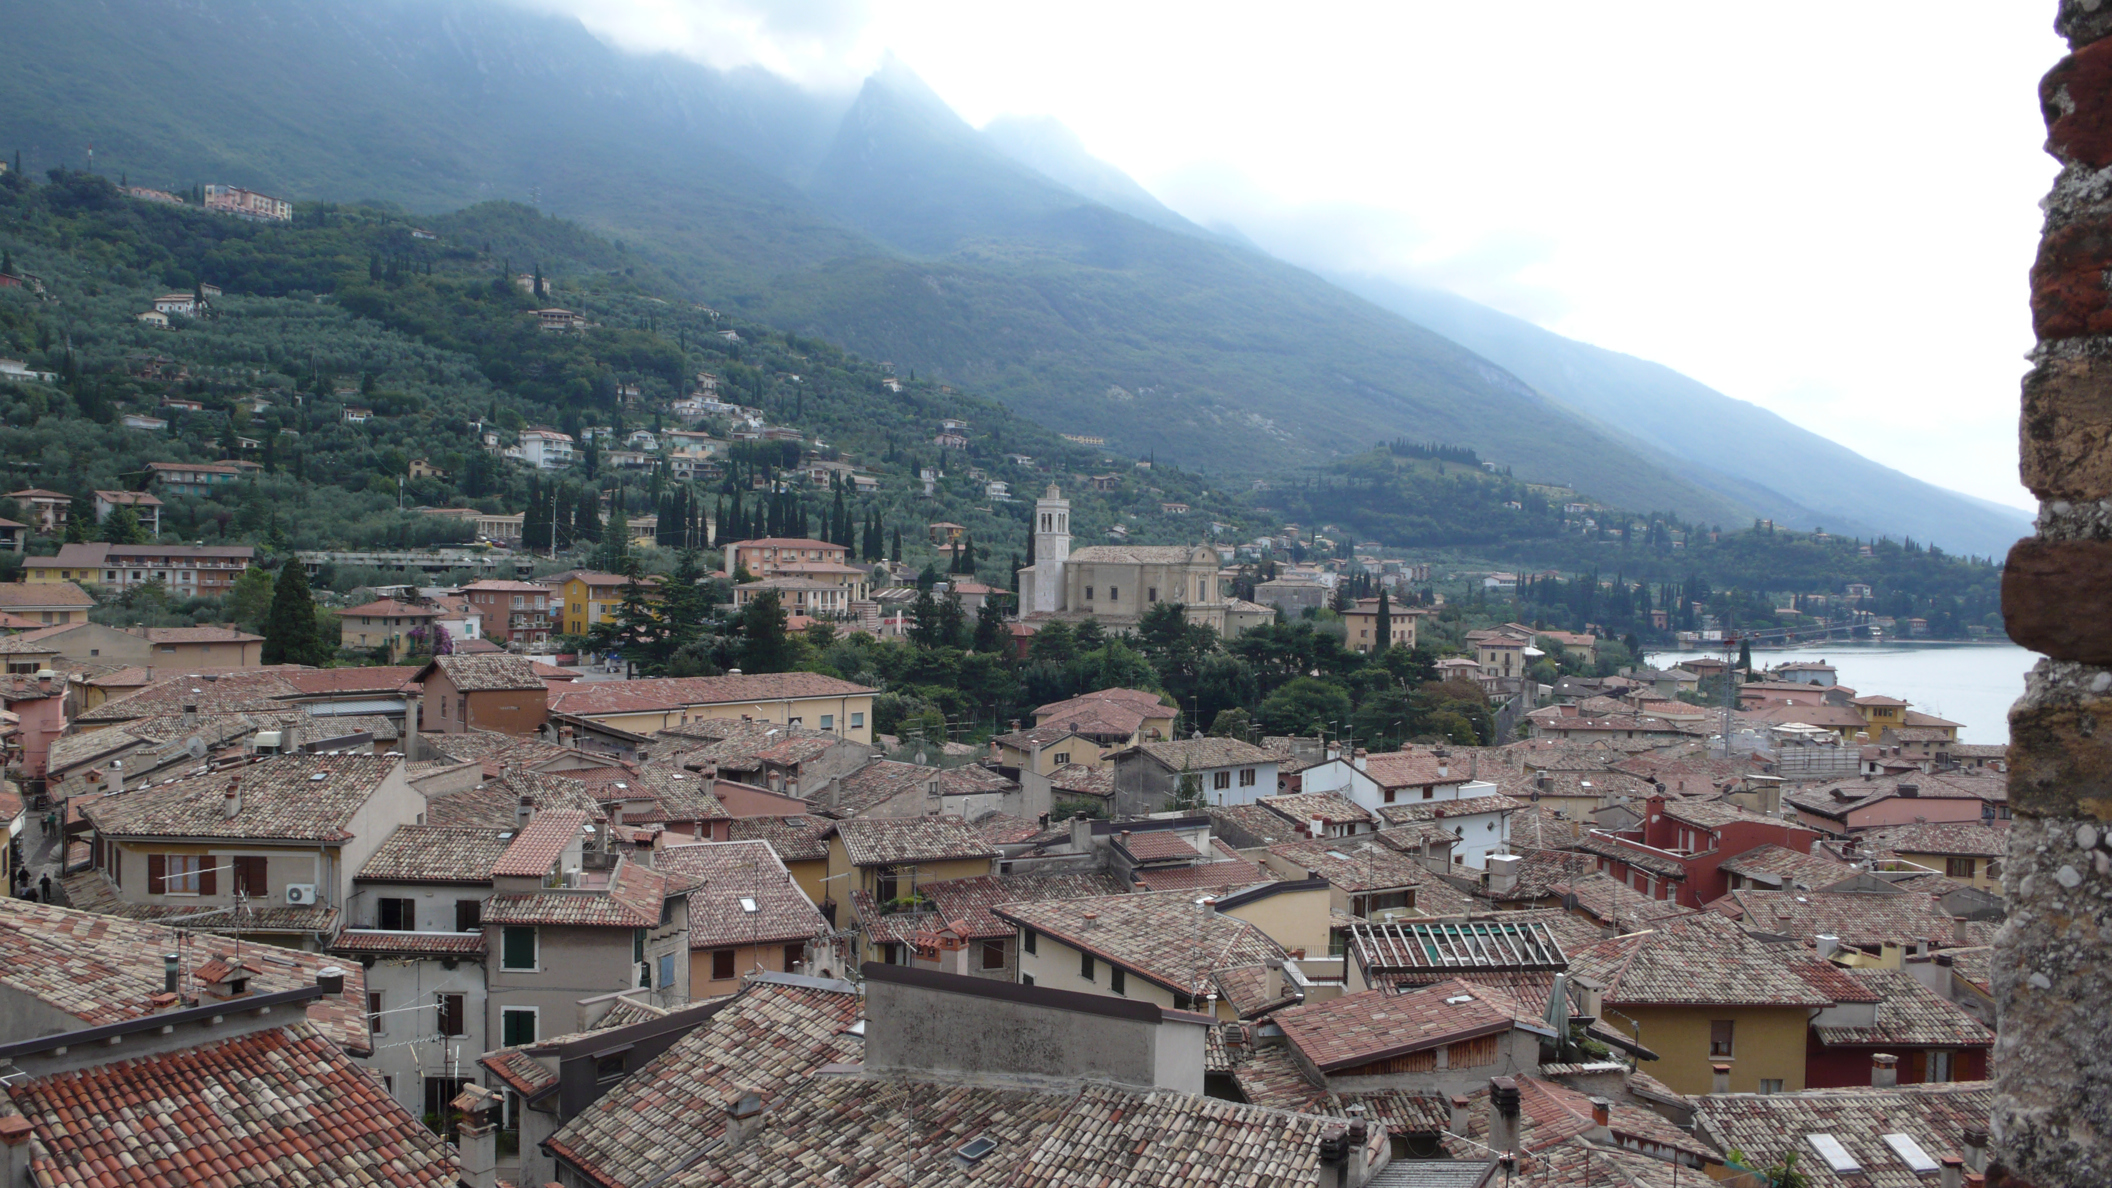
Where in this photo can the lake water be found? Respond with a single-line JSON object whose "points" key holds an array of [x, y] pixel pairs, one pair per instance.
{"points": [[1971, 684]]}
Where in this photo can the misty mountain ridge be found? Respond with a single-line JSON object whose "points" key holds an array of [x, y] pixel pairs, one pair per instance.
{"points": [[1006, 260]]}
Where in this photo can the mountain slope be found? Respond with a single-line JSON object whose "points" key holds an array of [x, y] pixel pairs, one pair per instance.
{"points": [[1785, 473]]}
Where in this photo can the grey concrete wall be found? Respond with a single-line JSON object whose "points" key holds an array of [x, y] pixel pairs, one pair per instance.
{"points": [[914, 1028]]}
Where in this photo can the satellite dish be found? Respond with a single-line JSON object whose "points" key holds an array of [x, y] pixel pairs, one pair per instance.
{"points": [[194, 747]]}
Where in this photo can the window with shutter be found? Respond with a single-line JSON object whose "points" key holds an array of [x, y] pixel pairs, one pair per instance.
{"points": [[208, 875], [251, 876], [451, 1014], [517, 948], [721, 964], [157, 874]]}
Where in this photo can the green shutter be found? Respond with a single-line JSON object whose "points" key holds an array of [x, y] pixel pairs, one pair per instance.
{"points": [[517, 948]]}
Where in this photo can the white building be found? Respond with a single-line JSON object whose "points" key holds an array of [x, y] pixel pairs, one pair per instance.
{"points": [[1403, 786], [545, 449]]}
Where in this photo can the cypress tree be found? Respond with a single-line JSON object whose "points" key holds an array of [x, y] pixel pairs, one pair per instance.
{"points": [[896, 555], [290, 633]]}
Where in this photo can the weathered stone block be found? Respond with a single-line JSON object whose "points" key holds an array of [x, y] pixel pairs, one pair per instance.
{"points": [[2083, 21], [2065, 449], [2060, 742], [2057, 598], [2069, 298], [2075, 97]]}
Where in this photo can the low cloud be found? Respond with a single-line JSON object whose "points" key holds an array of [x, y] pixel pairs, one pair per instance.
{"points": [[827, 44]]}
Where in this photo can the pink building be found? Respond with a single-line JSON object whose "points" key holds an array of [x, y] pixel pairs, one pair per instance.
{"points": [[39, 706]]}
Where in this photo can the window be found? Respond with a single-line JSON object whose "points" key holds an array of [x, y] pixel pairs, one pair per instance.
{"points": [[1389, 795], [469, 915], [1117, 978], [1246, 777], [451, 1015], [1720, 1037], [176, 874], [1429, 792], [1770, 1084], [1939, 1066], [1026, 979], [1088, 593], [374, 1024], [517, 948], [1114, 594], [396, 915], [828, 721], [886, 882], [667, 970], [609, 1068], [857, 720], [637, 944], [793, 954], [1220, 780], [1062, 758], [1027, 940], [1151, 594], [1958, 868], [890, 953], [1085, 966], [794, 721], [993, 954], [516, 1026], [722, 965]]}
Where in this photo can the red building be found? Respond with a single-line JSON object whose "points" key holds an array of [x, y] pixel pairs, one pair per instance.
{"points": [[1885, 1027], [1676, 851]]}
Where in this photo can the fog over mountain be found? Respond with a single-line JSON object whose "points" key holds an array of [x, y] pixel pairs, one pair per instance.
{"points": [[1006, 259]]}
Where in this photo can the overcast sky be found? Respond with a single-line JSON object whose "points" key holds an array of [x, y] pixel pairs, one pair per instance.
{"points": [[1827, 209]]}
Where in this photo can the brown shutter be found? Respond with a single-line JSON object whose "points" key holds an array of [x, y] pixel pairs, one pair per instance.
{"points": [[157, 874], [208, 878]]}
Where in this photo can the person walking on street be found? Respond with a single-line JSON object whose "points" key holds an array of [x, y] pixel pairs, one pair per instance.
{"points": [[44, 887]]}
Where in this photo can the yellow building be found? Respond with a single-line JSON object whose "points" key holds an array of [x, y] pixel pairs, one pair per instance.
{"points": [[586, 598], [1702, 994], [749, 916], [1362, 625], [1122, 717], [1960, 850], [1884, 716], [781, 698], [46, 604], [875, 862], [1043, 749], [1157, 947], [401, 627]]}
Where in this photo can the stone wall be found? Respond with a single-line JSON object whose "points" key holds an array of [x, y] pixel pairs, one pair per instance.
{"points": [[2053, 971]]}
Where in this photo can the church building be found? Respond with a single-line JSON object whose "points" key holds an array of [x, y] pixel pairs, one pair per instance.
{"points": [[1114, 584]]}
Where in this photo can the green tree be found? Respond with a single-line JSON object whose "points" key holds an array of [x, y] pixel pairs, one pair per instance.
{"points": [[250, 599], [616, 541], [291, 633], [990, 634], [1384, 626], [1188, 793], [1232, 723], [1307, 705], [764, 645], [122, 526]]}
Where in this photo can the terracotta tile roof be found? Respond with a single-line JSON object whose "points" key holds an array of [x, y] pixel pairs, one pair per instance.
{"points": [[1550, 1112], [282, 1106], [1358, 864], [1004, 829], [482, 674], [1768, 1126], [1696, 960], [1947, 838], [1331, 807], [40, 594], [1109, 1136], [632, 900], [796, 839], [1839, 798], [100, 969], [1030, 738], [1711, 814], [1831, 980], [1611, 901], [607, 697], [1220, 877], [521, 1072], [494, 803], [1542, 871], [1357, 1029], [1080, 780], [537, 847], [1403, 769], [1159, 935], [1788, 868], [437, 854], [1270, 1078], [1202, 754], [1439, 810], [967, 903], [1865, 919], [1248, 824], [677, 795], [1106, 711], [357, 942], [735, 874], [1663, 865], [1974, 963], [1155, 845], [1245, 988], [223, 691], [877, 783], [1909, 1014], [294, 797], [769, 1037], [178, 635], [875, 841]]}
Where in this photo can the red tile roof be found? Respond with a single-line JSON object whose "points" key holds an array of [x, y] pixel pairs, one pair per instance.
{"points": [[536, 848], [1357, 1029], [281, 1107], [733, 875]]}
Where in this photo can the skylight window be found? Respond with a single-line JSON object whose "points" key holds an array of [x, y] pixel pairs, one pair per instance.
{"points": [[1456, 999], [319, 777], [1835, 1155], [1911, 1154], [749, 905], [977, 1148], [1338, 854]]}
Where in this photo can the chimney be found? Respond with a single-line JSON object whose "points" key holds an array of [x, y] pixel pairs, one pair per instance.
{"points": [[1334, 1155], [1884, 1070], [1359, 1140], [410, 727], [476, 1141], [1272, 980], [331, 978], [117, 775], [1953, 1172], [1975, 1143], [1082, 833], [744, 1116], [1503, 1114], [1960, 937], [1092, 921], [524, 812], [1719, 1078], [1828, 945], [711, 784], [1601, 1112], [1459, 1116], [15, 1149], [231, 801], [190, 715], [169, 964]]}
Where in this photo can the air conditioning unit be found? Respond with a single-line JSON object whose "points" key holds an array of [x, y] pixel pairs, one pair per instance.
{"points": [[300, 894]]}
